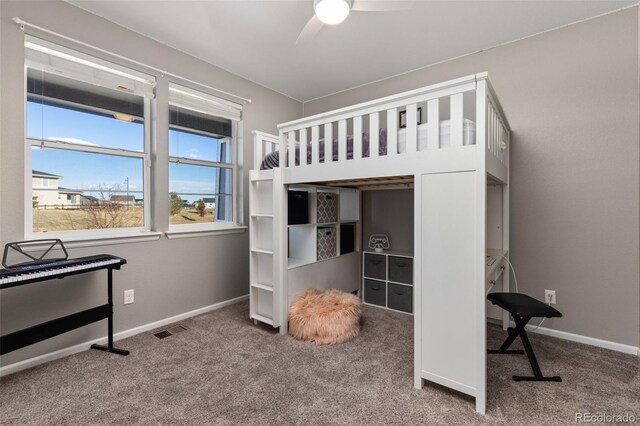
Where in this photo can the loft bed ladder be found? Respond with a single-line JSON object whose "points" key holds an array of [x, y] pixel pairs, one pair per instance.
{"points": [[265, 239]]}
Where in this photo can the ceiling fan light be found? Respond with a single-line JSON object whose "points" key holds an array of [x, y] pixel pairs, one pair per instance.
{"points": [[331, 12]]}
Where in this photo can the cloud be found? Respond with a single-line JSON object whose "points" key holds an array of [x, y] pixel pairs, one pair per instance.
{"points": [[71, 140]]}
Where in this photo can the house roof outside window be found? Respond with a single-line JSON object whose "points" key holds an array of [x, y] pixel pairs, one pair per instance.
{"points": [[37, 173]]}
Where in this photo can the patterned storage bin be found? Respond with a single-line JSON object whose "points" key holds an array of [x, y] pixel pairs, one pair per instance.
{"points": [[327, 243], [327, 207]]}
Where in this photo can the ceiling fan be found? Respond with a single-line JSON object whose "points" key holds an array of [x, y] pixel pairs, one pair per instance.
{"points": [[333, 12]]}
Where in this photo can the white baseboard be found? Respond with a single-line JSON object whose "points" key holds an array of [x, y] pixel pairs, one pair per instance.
{"points": [[41, 359], [606, 344]]}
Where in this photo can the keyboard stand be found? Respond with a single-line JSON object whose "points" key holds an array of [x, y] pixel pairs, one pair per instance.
{"points": [[109, 346], [25, 337]]}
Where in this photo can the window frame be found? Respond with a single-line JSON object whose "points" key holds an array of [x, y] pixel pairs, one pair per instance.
{"points": [[89, 234], [197, 229]]}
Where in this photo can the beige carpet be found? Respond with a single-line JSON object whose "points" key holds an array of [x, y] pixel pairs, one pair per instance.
{"points": [[225, 371]]}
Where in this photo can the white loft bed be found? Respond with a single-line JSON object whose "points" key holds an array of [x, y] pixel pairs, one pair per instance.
{"points": [[461, 201]]}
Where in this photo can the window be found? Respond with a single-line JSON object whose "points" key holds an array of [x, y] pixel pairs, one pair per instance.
{"points": [[202, 158], [87, 129]]}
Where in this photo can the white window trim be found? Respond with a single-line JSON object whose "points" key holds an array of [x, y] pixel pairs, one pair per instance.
{"points": [[91, 237], [140, 84], [87, 238], [57, 59], [203, 230], [214, 228], [204, 103]]}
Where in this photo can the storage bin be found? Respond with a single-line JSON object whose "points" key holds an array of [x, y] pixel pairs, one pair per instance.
{"points": [[327, 207], [347, 238], [375, 292], [391, 274], [401, 269], [400, 297], [375, 266], [327, 243], [298, 207]]}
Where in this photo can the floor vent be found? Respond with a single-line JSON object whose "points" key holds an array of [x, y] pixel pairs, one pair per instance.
{"points": [[162, 334], [170, 332]]}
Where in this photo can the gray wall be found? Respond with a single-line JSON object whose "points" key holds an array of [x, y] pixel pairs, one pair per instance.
{"points": [[388, 212], [170, 277], [571, 96]]}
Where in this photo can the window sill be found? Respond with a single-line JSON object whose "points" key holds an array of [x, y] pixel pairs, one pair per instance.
{"points": [[96, 240], [191, 231]]}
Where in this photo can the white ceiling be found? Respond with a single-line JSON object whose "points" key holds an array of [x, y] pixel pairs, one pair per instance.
{"points": [[256, 39]]}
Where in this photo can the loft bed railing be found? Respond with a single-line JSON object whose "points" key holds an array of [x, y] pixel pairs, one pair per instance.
{"points": [[264, 144], [360, 134], [498, 138]]}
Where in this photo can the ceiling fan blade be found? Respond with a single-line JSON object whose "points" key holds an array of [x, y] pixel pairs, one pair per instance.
{"points": [[381, 5], [310, 30]]}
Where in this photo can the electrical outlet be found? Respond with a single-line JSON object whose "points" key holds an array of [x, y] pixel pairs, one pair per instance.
{"points": [[128, 297], [550, 297]]}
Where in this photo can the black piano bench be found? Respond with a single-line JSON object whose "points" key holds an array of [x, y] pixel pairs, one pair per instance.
{"points": [[522, 308]]}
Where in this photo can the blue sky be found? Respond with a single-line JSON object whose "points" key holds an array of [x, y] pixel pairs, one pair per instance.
{"points": [[189, 145], [90, 172], [49, 122]]}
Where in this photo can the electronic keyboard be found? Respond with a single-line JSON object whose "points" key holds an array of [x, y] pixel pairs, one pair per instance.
{"points": [[42, 260], [47, 270]]}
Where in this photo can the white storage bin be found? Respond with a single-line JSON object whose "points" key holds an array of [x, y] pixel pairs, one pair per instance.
{"points": [[327, 207], [327, 243]]}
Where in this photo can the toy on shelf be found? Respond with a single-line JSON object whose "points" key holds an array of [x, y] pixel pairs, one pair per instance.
{"points": [[379, 242]]}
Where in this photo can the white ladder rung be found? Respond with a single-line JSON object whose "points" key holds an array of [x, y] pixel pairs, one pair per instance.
{"points": [[262, 318], [265, 287], [263, 251]]}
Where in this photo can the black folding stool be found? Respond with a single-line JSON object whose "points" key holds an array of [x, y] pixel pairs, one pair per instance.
{"points": [[522, 308]]}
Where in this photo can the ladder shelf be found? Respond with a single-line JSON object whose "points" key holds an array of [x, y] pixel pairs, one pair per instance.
{"points": [[265, 289]]}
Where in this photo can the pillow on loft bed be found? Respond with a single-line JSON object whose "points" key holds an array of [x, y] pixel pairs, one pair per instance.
{"points": [[271, 160]]}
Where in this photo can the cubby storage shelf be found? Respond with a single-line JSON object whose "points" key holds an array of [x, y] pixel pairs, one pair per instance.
{"points": [[393, 282], [306, 242], [387, 280]]}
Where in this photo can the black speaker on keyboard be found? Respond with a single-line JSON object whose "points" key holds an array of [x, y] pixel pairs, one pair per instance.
{"points": [[298, 207]]}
